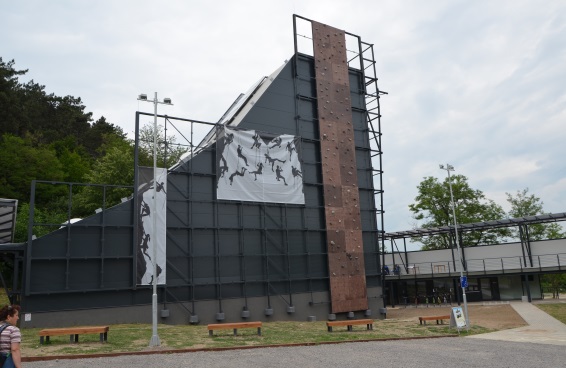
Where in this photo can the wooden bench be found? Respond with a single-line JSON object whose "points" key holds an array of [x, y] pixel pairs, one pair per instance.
{"points": [[74, 332], [234, 326], [350, 323], [433, 318]]}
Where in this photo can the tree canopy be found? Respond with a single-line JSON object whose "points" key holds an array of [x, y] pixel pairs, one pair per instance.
{"points": [[433, 207], [524, 204], [53, 138]]}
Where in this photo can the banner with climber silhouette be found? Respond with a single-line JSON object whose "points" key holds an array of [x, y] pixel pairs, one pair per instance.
{"points": [[259, 167], [148, 216]]}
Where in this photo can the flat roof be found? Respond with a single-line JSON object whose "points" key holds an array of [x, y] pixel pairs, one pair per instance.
{"points": [[527, 220]]}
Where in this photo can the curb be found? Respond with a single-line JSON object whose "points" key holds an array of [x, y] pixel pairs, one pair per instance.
{"points": [[179, 351]]}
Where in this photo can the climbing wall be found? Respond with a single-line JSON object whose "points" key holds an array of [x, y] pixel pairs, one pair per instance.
{"points": [[338, 155]]}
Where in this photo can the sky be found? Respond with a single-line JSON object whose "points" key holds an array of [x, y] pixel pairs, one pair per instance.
{"points": [[480, 85]]}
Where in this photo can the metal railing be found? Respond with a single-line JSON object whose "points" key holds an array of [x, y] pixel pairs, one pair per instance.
{"points": [[516, 264]]}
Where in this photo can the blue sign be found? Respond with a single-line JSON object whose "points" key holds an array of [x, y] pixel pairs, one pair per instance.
{"points": [[464, 281]]}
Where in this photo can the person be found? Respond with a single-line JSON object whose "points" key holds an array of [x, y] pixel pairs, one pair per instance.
{"points": [[11, 337]]}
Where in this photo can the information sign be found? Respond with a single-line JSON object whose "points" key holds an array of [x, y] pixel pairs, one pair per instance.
{"points": [[457, 318], [464, 281]]}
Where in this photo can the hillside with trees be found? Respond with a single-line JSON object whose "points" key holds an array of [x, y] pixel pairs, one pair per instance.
{"points": [[48, 137]]}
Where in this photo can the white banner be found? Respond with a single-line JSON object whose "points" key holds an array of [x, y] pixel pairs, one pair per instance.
{"points": [[147, 237], [259, 167]]}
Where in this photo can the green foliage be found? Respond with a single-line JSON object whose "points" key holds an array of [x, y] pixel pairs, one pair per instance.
{"points": [[54, 133], [524, 204], [116, 167], [41, 216], [21, 162], [102, 133], [432, 206], [168, 151], [554, 283]]}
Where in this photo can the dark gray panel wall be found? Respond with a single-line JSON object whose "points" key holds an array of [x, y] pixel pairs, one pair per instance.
{"points": [[216, 250]]}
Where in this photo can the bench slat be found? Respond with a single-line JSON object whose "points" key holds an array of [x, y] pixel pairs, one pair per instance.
{"points": [[433, 318], [350, 323], [234, 326], [222, 326], [74, 332]]}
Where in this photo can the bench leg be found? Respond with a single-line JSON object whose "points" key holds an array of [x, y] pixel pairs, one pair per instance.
{"points": [[349, 327], [329, 328], [46, 339], [105, 336], [235, 332], [209, 332], [259, 331], [102, 337], [370, 326]]}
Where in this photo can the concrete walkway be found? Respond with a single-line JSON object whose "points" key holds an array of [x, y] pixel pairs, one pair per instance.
{"points": [[542, 328]]}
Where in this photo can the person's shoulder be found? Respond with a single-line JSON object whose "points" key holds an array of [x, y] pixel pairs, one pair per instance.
{"points": [[12, 329]]}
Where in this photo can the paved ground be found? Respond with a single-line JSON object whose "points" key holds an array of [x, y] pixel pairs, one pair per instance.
{"points": [[427, 353], [538, 345], [541, 329]]}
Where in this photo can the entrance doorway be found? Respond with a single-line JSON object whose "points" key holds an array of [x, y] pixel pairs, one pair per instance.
{"points": [[489, 287]]}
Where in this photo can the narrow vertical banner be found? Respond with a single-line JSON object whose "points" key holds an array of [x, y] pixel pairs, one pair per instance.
{"points": [[146, 235]]}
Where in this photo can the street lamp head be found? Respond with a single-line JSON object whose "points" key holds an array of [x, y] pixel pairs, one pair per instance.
{"points": [[441, 167], [167, 101], [142, 97], [448, 167]]}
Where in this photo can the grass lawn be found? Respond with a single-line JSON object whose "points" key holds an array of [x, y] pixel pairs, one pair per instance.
{"points": [[556, 310], [135, 337]]}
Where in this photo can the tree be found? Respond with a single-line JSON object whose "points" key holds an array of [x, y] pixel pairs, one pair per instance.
{"points": [[21, 162], [554, 282], [9, 100], [524, 204], [432, 205], [116, 167], [100, 133], [168, 151]]}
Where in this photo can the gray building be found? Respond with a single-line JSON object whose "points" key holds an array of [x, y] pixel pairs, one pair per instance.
{"points": [[285, 228]]}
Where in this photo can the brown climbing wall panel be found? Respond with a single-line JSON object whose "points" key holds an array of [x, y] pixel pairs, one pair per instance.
{"points": [[341, 198]]}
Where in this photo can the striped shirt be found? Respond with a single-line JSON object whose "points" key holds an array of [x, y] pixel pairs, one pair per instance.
{"points": [[10, 335]]}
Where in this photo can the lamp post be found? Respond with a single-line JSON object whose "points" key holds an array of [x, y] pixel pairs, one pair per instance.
{"points": [[166, 101], [449, 168]]}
